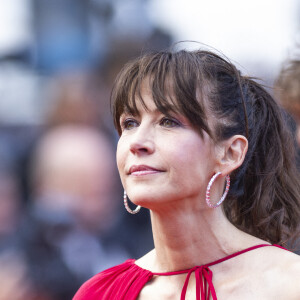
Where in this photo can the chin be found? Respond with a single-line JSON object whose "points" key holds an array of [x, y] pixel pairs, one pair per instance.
{"points": [[141, 199], [150, 199]]}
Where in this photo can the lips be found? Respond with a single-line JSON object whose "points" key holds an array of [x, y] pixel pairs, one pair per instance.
{"points": [[139, 170]]}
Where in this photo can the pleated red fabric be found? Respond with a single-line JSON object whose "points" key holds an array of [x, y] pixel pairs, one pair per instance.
{"points": [[126, 280]]}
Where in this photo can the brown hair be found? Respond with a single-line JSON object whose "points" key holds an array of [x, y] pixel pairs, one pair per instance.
{"points": [[264, 195]]}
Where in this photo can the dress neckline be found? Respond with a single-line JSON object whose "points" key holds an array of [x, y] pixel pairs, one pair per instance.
{"points": [[203, 274]]}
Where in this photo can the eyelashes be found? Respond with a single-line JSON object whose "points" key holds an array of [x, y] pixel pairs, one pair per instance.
{"points": [[129, 124], [169, 122], [166, 122]]}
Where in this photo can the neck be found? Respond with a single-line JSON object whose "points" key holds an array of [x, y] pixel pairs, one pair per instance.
{"points": [[183, 240]]}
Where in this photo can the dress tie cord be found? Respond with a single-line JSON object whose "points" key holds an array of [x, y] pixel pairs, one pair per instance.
{"points": [[204, 285], [203, 275]]}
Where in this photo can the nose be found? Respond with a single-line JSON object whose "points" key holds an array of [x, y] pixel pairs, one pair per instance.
{"points": [[142, 141]]}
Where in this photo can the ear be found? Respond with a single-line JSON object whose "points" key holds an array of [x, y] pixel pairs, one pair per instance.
{"points": [[233, 152]]}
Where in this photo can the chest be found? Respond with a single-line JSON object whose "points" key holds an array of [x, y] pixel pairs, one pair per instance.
{"points": [[258, 287]]}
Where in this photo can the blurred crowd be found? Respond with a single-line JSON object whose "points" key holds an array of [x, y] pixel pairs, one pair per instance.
{"points": [[61, 211], [62, 218]]}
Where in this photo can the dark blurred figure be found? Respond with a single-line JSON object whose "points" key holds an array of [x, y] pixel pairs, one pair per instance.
{"points": [[69, 233], [10, 208], [14, 272]]}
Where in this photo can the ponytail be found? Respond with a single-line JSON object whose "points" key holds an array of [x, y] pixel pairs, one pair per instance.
{"points": [[264, 200]]}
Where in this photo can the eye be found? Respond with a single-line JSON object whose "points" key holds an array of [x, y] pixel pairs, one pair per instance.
{"points": [[128, 124], [169, 123]]}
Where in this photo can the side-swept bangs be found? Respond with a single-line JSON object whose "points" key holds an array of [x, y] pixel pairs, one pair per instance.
{"points": [[175, 82]]}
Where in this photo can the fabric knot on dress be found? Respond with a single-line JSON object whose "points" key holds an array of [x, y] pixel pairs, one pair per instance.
{"points": [[204, 285]]}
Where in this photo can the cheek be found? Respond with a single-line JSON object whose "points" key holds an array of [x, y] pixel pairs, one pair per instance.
{"points": [[192, 163], [120, 157]]}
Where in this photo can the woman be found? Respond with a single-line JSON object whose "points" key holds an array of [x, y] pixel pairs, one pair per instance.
{"points": [[192, 129]]}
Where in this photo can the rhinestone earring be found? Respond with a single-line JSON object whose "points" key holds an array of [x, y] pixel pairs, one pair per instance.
{"points": [[209, 187], [135, 211]]}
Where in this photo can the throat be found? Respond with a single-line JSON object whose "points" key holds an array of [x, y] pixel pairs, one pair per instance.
{"points": [[188, 240]]}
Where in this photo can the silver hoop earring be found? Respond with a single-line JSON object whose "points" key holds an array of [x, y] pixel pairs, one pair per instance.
{"points": [[209, 187], [135, 211]]}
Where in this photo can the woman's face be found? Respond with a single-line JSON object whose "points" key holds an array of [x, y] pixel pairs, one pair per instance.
{"points": [[162, 159]]}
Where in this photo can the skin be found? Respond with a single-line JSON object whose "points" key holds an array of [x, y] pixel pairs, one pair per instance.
{"points": [[186, 231]]}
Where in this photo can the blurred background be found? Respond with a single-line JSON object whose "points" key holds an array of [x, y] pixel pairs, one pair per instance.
{"points": [[61, 211]]}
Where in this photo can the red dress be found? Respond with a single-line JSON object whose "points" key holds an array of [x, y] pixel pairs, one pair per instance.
{"points": [[126, 280]]}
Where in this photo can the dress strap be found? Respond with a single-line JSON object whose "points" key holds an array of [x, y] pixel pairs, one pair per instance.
{"points": [[203, 274], [239, 253]]}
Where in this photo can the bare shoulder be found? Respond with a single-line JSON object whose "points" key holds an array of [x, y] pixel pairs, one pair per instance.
{"points": [[294, 278], [285, 273], [292, 275], [146, 261]]}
